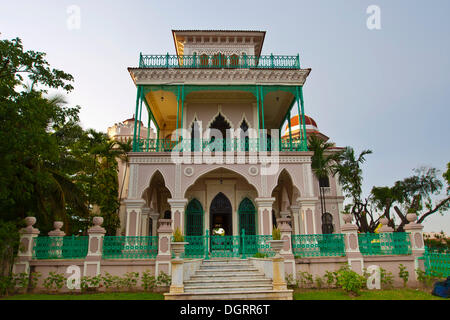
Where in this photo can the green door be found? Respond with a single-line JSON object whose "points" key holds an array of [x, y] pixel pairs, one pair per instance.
{"points": [[247, 217], [194, 218]]}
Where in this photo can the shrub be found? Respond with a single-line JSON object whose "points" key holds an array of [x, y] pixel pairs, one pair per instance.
{"points": [[330, 278], [260, 255], [291, 282], [91, 283], [6, 285], [305, 279], [386, 278], [178, 236], [163, 279], [349, 280], [148, 280], [403, 274], [130, 279], [276, 234], [54, 281], [319, 282]]}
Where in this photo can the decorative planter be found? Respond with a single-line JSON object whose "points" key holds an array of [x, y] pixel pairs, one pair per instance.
{"points": [[277, 245], [411, 217], [178, 248]]}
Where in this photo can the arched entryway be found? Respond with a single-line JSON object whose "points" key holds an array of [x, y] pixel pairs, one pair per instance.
{"points": [[221, 214]]}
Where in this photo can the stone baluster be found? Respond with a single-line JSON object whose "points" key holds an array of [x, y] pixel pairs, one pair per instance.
{"points": [[95, 248], [164, 251], [354, 256], [57, 239], [25, 254]]}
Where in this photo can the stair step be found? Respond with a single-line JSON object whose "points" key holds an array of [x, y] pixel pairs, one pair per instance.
{"points": [[228, 282], [225, 277], [248, 288], [236, 295]]}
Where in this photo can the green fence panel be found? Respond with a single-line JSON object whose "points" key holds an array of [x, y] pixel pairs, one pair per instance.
{"points": [[318, 245], [390, 243], [437, 263], [121, 247], [70, 247], [224, 246], [257, 245], [197, 247]]}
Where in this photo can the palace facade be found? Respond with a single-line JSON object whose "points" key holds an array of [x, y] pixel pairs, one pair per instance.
{"points": [[226, 153]]}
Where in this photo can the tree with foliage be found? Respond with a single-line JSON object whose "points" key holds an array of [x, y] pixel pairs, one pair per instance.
{"points": [[413, 194], [323, 162], [350, 178]]}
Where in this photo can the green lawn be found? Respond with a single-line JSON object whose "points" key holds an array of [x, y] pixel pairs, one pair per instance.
{"points": [[92, 296], [394, 294]]}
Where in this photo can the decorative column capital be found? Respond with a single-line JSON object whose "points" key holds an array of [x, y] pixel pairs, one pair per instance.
{"points": [[134, 203], [154, 216], [177, 203], [264, 202], [307, 201]]}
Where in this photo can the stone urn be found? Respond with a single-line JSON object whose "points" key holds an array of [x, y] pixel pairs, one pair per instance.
{"points": [[347, 217], [178, 248], [277, 245], [384, 221], [411, 217]]}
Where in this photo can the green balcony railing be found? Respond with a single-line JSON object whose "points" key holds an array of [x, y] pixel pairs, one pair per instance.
{"points": [[220, 61], [318, 245], [121, 247], [247, 145], [70, 247], [391, 243]]}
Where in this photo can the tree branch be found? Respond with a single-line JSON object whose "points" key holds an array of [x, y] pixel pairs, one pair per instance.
{"points": [[438, 206]]}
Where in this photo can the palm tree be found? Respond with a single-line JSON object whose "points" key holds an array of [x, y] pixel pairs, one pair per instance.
{"points": [[322, 165]]}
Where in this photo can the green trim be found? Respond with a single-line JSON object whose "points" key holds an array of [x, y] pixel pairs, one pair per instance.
{"points": [[304, 140]]}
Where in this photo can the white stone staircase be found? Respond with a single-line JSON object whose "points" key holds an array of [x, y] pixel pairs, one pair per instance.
{"points": [[229, 279]]}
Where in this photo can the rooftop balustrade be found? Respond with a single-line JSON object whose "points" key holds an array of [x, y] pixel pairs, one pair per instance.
{"points": [[219, 61]]}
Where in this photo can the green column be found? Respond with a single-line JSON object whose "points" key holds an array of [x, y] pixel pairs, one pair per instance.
{"points": [[290, 130], [304, 141], [178, 110], [264, 145], [182, 109], [135, 118], [257, 116], [139, 121]]}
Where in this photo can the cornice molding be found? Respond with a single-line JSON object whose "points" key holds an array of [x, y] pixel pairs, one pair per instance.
{"points": [[149, 76]]}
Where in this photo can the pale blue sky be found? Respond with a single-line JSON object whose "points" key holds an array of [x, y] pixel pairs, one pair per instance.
{"points": [[386, 90]]}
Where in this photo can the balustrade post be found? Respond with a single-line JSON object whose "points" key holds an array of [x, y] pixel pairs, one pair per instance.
{"points": [[416, 238], [354, 256], [134, 212], [164, 250], [154, 216], [286, 251], [95, 248], [57, 237], [26, 245]]}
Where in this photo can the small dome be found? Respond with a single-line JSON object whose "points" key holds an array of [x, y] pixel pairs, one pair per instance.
{"points": [[310, 124]]}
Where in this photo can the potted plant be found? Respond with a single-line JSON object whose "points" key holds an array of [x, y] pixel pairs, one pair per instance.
{"points": [[178, 243], [276, 243]]}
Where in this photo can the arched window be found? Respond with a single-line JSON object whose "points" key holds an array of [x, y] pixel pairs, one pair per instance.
{"points": [[244, 138], [324, 182], [247, 217], [222, 125], [195, 136], [194, 218]]}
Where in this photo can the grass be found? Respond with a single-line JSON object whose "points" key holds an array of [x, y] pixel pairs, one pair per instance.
{"points": [[337, 294], [92, 296]]}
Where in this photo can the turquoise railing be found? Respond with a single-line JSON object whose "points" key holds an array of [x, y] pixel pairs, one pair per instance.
{"points": [[437, 263], [220, 61], [249, 145], [121, 247], [70, 247], [243, 246], [318, 245], [392, 243]]}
